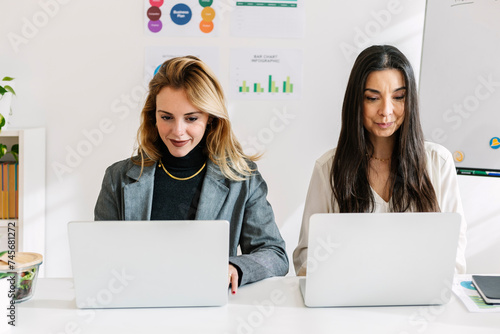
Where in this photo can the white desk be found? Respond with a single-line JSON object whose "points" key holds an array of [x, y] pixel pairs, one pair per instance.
{"points": [[271, 306]]}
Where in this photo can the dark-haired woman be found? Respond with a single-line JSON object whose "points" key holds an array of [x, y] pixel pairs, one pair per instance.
{"points": [[381, 163]]}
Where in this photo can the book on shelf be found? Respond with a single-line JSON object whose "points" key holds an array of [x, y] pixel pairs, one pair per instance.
{"points": [[17, 191], [12, 190], [5, 191], [9, 194]]}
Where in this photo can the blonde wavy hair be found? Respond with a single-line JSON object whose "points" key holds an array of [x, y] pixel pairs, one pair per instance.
{"points": [[203, 91]]}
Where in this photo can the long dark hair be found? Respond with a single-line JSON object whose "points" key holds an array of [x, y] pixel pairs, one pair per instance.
{"points": [[411, 189]]}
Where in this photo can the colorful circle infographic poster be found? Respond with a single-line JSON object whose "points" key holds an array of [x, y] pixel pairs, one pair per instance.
{"points": [[156, 55], [180, 18]]}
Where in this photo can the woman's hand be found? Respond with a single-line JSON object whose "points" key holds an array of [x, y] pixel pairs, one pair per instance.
{"points": [[233, 278]]}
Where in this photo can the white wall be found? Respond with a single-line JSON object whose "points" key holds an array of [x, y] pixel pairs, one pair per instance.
{"points": [[88, 58]]}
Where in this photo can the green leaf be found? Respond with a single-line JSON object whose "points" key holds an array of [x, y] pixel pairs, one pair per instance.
{"points": [[2, 90], [2, 253], [10, 89], [7, 79], [2, 121], [3, 150], [15, 151]]}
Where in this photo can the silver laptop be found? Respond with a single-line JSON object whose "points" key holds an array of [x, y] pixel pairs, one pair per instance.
{"points": [[380, 259], [149, 263]]}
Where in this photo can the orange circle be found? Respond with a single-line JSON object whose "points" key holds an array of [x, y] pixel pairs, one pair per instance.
{"points": [[206, 26], [208, 14], [458, 156]]}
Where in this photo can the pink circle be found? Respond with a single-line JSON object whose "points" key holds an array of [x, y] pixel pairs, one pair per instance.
{"points": [[155, 26], [156, 3]]}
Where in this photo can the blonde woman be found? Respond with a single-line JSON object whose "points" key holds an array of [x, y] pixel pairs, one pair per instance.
{"points": [[189, 165]]}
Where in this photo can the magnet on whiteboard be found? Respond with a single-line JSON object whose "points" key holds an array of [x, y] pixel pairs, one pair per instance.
{"points": [[458, 156], [495, 143]]}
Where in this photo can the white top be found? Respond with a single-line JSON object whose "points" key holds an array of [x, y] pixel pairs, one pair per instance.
{"points": [[442, 173]]}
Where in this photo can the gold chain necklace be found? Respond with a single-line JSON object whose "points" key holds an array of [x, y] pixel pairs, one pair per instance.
{"points": [[181, 178]]}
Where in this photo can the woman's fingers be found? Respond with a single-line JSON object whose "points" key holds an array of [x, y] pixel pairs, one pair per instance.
{"points": [[233, 279]]}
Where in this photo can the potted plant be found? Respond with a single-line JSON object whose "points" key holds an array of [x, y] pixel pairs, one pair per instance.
{"points": [[14, 151], [6, 93]]}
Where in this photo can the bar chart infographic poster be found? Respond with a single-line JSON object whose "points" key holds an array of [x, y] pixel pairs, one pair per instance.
{"points": [[268, 18], [180, 18], [157, 55], [266, 74]]}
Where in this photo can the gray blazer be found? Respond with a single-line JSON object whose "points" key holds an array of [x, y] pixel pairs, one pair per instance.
{"points": [[126, 196]]}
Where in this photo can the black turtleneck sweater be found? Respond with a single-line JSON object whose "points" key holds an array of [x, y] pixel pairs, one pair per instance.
{"points": [[175, 199]]}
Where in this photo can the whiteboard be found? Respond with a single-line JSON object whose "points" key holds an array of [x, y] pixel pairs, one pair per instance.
{"points": [[460, 80]]}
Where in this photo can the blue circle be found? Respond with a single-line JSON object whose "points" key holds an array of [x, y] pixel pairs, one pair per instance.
{"points": [[181, 14], [496, 144], [467, 285], [157, 69]]}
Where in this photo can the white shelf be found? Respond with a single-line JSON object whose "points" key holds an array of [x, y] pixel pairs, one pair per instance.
{"points": [[30, 225], [10, 133]]}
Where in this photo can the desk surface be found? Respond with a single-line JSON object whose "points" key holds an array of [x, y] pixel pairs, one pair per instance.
{"points": [[271, 306]]}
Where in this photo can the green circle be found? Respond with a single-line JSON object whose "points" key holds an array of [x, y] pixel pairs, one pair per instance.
{"points": [[206, 3]]}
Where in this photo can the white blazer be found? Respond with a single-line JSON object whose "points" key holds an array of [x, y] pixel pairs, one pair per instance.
{"points": [[442, 173]]}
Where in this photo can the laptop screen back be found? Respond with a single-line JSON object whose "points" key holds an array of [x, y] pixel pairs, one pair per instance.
{"points": [[381, 259], [149, 263]]}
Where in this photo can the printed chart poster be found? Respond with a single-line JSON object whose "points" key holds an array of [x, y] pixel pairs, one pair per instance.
{"points": [[157, 55], [465, 290], [268, 18], [180, 18], [267, 74]]}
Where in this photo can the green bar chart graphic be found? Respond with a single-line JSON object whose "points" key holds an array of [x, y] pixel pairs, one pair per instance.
{"points": [[266, 74], [257, 88], [244, 88], [272, 86], [287, 86]]}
